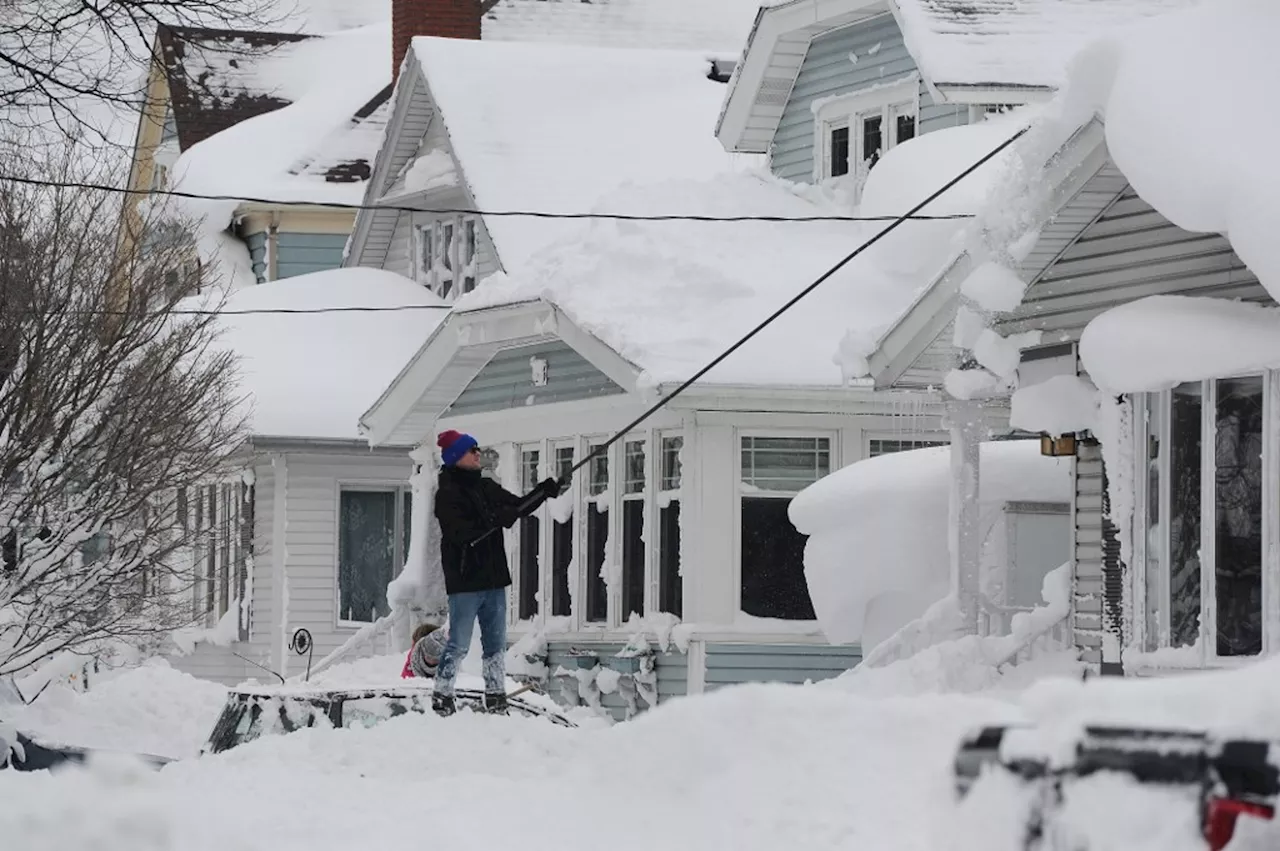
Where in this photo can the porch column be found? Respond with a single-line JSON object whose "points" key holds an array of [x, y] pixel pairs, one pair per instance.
{"points": [[419, 590], [964, 418]]}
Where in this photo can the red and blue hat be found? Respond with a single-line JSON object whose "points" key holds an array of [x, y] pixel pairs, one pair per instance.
{"points": [[453, 445]]}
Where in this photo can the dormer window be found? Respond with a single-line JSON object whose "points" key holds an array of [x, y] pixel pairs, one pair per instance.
{"points": [[854, 131], [445, 252]]}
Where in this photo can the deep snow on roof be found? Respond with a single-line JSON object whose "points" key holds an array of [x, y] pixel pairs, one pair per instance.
{"points": [[714, 25], [1013, 42], [313, 374], [542, 127], [670, 296]]}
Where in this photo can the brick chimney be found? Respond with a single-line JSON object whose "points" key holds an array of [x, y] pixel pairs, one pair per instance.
{"points": [[444, 18]]}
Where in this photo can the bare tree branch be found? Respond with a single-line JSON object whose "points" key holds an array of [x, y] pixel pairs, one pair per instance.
{"points": [[110, 407]]}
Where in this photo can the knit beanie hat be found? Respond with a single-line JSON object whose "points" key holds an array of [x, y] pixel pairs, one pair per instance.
{"points": [[453, 445]]}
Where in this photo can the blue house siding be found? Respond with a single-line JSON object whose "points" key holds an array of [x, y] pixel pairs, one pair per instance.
{"points": [[507, 380], [827, 70], [257, 243], [735, 664], [671, 667], [300, 253]]}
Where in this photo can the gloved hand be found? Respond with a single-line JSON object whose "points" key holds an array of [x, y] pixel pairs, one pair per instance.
{"points": [[551, 488]]}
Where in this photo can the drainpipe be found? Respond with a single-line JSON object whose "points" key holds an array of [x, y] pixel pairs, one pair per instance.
{"points": [[273, 248]]}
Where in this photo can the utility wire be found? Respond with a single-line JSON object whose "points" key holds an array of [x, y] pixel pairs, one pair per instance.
{"points": [[791, 302], [532, 214]]}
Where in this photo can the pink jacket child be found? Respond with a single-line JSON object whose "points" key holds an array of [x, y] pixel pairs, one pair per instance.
{"points": [[424, 656]]}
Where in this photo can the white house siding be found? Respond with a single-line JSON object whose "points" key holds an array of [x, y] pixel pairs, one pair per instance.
{"points": [[311, 540]]}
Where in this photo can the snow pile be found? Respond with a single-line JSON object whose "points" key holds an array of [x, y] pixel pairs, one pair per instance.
{"points": [[1059, 405], [1231, 187], [151, 708], [326, 81], [879, 526], [718, 27], [313, 374], [114, 803], [646, 288], [1154, 343], [521, 150], [1023, 43]]}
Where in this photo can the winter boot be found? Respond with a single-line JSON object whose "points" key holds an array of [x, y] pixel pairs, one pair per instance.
{"points": [[443, 704], [495, 703]]}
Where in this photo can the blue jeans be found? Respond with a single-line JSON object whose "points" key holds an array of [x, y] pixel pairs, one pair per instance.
{"points": [[490, 608]]}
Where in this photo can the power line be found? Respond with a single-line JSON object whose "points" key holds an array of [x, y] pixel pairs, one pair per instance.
{"points": [[791, 302], [532, 214]]}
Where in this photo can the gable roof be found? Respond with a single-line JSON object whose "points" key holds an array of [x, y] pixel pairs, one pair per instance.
{"points": [[719, 26], [964, 49], [617, 116]]}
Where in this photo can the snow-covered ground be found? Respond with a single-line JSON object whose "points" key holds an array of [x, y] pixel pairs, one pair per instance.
{"points": [[863, 761]]}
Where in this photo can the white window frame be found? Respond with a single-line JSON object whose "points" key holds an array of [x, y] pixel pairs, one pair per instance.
{"points": [[1141, 405], [432, 275], [936, 439], [585, 505], [740, 434], [654, 531], [543, 515], [646, 498], [901, 97], [552, 447], [400, 489]]}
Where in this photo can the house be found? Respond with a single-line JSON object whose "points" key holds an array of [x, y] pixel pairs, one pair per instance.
{"points": [[309, 525], [294, 119], [1145, 326], [677, 536]]}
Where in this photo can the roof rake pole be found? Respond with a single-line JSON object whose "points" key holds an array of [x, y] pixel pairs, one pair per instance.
{"points": [[657, 406]]}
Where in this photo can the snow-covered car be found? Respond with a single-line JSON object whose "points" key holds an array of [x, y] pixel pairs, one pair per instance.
{"points": [[1223, 778], [251, 712], [20, 752]]}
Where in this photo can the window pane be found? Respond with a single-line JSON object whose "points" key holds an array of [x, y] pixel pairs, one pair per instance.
{"points": [[885, 447], [1184, 515], [670, 584], [773, 584], [839, 146], [406, 534], [530, 528], [562, 545], [597, 591], [872, 139], [906, 128], [1238, 516], [632, 558], [530, 460], [783, 463], [599, 467], [671, 469], [1155, 602], [366, 553], [633, 482], [426, 236]]}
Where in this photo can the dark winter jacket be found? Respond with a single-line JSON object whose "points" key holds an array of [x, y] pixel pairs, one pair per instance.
{"points": [[467, 506]]}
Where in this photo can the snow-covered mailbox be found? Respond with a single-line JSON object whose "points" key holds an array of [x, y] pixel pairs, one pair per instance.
{"points": [[877, 559]]}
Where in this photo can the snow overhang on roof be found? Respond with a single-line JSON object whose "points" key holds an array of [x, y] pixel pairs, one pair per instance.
{"points": [[1063, 175], [406, 412]]}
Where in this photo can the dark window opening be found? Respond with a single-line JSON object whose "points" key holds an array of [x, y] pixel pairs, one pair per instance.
{"points": [[1238, 516], [562, 546], [839, 151], [530, 529], [773, 583], [597, 591], [1184, 515], [632, 558], [366, 553], [670, 583], [906, 128], [872, 139]]}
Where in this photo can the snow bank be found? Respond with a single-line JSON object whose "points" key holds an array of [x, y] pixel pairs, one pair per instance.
{"points": [[1154, 343], [152, 708], [313, 375], [1232, 186], [879, 526]]}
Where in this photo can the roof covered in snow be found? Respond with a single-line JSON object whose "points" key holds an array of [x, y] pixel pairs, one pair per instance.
{"points": [[1012, 42], [312, 375], [617, 116], [670, 296], [720, 26]]}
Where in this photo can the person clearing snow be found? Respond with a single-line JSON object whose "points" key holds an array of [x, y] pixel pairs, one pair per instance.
{"points": [[471, 509], [424, 654]]}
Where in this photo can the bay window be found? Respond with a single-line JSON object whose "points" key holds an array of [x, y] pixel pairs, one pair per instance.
{"points": [[1203, 534], [771, 557]]}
